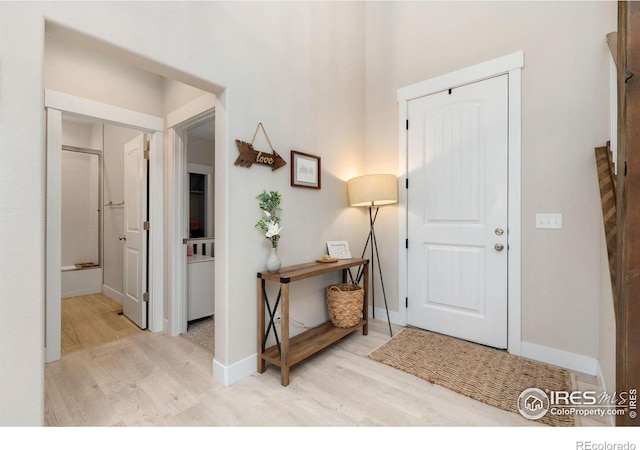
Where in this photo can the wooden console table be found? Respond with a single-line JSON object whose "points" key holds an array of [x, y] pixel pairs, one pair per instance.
{"points": [[290, 351]]}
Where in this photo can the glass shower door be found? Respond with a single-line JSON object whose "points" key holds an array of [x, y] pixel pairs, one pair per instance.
{"points": [[81, 197]]}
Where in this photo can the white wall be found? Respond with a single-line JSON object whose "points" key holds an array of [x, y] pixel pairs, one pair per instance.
{"points": [[81, 133], [298, 68], [565, 115], [201, 151], [22, 194], [83, 72], [295, 67]]}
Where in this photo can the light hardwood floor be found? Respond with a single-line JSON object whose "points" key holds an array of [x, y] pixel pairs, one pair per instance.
{"points": [[93, 319], [153, 379]]}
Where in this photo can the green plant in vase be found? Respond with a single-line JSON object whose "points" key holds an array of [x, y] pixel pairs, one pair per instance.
{"points": [[270, 224]]}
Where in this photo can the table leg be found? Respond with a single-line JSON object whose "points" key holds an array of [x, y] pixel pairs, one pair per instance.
{"points": [[365, 306], [284, 330], [261, 363]]}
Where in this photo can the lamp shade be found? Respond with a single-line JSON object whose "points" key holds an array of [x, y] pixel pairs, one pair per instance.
{"points": [[373, 190]]}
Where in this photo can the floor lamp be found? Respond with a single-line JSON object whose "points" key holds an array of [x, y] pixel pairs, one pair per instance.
{"points": [[373, 191]]}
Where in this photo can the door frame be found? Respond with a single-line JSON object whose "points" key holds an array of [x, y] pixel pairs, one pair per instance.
{"points": [[512, 65], [56, 104], [200, 110]]}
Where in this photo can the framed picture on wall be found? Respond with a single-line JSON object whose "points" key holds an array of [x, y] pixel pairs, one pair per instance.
{"points": [[339, 249], [305, 170]]}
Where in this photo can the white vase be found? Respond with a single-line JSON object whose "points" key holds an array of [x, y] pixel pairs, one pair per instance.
{"points": [[273, 261]]}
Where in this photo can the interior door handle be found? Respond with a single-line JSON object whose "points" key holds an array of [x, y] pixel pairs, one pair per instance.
{"points": [[499, 247], [122, 238]]}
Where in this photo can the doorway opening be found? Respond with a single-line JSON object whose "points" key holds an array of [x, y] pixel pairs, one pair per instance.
{"points": [[177, 93], [59, 106], [457, 212], [200, 232], [92, 234], [193, 138], [510, 65]]}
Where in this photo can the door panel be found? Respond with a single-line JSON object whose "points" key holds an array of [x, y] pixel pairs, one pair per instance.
{"points": [[457, 155], [453, 157], [135, 214], [459, 272]]}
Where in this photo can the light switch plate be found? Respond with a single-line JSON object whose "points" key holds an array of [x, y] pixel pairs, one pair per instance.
{"points": [[553, 221]]}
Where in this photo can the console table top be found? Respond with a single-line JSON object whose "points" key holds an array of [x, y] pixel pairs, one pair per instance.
{"points": [[310, 269]]}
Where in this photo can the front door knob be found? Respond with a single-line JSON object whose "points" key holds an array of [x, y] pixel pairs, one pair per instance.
{"points": [[499, 247]]}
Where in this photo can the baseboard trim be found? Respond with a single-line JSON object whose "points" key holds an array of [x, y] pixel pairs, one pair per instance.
{"points": [[110, 292], [611, 420], [560, 358], [381, 314], [228, 375], [80, 282], [79, 292]]}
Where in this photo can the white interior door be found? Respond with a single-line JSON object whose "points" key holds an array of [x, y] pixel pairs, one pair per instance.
{"points": [[135, 237], [457, 212]]}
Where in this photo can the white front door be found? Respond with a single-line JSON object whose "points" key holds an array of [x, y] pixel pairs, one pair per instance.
{"points": [[135, 216], [457, 212]]}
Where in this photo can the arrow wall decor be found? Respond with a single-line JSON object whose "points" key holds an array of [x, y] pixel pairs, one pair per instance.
{"points": [[248, 155]]}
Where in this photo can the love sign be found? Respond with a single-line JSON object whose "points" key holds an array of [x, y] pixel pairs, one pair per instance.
{"points": [[248, 155]]}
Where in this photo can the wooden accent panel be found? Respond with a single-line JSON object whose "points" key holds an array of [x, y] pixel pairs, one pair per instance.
{"points": [[607, 183], [612, 41], [628, 203]]}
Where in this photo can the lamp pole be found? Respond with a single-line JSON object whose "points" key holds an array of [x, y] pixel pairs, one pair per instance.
{"points": [[374, 250]]}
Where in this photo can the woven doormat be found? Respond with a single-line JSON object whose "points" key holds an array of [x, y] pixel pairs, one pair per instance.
{"points": [[491, 376]]}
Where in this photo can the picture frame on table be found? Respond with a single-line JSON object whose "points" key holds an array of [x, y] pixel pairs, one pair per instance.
{"points": [[339, 249]]}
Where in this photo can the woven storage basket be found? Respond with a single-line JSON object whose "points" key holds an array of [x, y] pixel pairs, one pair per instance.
{"points": [[344, 302]]}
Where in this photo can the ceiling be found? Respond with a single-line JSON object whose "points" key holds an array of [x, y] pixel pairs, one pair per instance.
{"points": [[203, 131]]}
